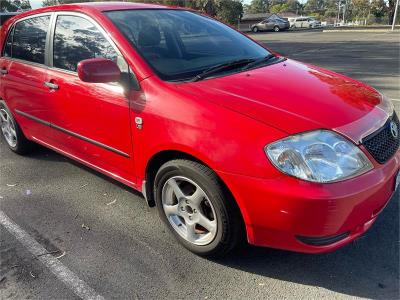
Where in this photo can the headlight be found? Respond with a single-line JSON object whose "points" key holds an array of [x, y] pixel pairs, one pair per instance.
{"points": [[318, 156]]}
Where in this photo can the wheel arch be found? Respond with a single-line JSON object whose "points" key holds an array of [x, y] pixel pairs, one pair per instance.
{"points": [[154, 164], [161, 157]]}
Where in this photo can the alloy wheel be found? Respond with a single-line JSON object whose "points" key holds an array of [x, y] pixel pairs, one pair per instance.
{"points": [[189, 211], [8, 128]]}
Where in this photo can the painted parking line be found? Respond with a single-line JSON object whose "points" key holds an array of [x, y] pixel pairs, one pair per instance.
{"points": [[396, 100], [71, 280]]}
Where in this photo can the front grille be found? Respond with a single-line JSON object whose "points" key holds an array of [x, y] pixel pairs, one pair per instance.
{"points": [[382, 144]]}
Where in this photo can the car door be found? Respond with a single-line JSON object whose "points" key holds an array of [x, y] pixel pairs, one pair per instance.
{"points": [[23, 72], [270, 24], [92, 120], [262, 25]]}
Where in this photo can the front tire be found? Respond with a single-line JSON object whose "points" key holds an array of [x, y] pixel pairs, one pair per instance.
{"points": [[12, 132], [255, 29], [193, 204], [276, 28]]}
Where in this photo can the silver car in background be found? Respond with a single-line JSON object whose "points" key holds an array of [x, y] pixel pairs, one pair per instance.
{"points": [[271, 24]]}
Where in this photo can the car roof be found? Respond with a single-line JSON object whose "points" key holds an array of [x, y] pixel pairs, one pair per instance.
{"points": [[105, 6], [93, 7]]}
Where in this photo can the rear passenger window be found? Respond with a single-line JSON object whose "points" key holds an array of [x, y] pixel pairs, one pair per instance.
{"points": [[7, 47], [30, 39], [76, 39]]}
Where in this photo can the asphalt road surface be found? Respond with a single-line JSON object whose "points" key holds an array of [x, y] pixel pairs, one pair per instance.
{"points": [[117, 248]]}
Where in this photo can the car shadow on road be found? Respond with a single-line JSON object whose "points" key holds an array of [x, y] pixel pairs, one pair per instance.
{"points": [[46, 154], [42, 153], [369, 267]]}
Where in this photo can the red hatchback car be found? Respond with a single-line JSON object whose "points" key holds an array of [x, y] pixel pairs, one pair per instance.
{"points": [[225, 137]]}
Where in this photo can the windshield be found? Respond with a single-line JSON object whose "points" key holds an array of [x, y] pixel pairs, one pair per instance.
{"points": [[180, 44]]}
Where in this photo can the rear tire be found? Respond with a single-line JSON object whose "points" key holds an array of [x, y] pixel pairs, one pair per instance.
{"points": [[276, 28], [189, 195], [12, 133]]}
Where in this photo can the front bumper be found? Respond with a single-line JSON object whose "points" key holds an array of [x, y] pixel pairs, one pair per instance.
{"points": [[281, 212]]}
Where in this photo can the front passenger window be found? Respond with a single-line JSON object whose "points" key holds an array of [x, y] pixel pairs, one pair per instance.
{"points": [[76, 39]]}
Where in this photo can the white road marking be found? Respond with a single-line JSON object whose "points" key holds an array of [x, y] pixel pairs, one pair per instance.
{"points": [[71, 280], [395, 99]]}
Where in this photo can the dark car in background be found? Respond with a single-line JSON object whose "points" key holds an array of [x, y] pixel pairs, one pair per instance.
{"points": [[271, 24]]}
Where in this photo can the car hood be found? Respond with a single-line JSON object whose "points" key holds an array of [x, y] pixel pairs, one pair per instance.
{"points": [[295, 97]]}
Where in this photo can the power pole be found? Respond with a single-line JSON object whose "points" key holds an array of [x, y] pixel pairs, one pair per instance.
{"points": [[395, 14]]}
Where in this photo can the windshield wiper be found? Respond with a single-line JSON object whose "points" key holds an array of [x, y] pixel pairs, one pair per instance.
{"points": [[221, 67], [258, 61]]}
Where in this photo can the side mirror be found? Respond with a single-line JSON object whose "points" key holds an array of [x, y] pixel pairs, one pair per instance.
{"points": [[98, 70]]}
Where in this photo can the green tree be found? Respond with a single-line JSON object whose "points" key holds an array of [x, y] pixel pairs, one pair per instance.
{"points": [[360, 9], [258, 6], [50, 2], [57, 2], [14, 5], [331, 8], [378, 8], [229, 11], [315, 6], [279, 8]]}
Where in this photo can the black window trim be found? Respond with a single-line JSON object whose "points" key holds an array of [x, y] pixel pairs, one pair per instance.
{"points": [[11, 31]]}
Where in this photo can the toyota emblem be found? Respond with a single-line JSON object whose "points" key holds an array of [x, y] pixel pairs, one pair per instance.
{"points": [[394, 130]]}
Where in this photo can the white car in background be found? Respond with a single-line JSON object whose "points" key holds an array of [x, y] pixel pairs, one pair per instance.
{"points": [[304, 22]]}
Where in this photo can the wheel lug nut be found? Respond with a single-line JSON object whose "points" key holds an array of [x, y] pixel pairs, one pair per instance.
{"points": [[190, 217], [195, 211], [187, 201], [182, 208]]}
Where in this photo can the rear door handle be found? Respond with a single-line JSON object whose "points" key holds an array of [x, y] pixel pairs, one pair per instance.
{"points": [[51, 85], [3, 71]]}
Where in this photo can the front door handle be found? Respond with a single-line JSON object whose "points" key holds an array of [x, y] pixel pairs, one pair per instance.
{"points": [[3, 71], [51, 85]]}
